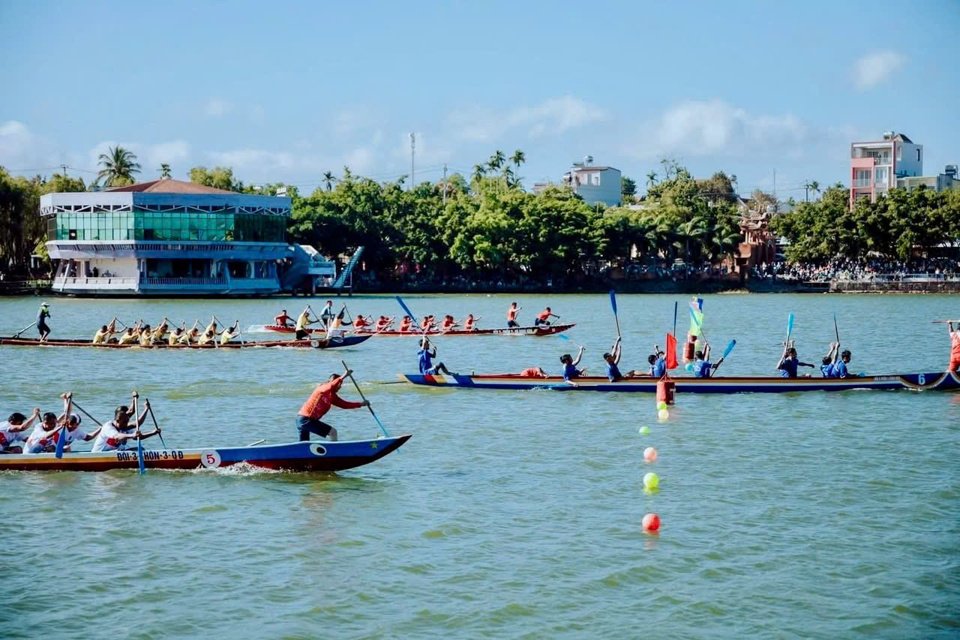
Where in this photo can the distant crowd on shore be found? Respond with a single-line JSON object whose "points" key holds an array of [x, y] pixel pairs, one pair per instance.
{"points": [[860, 271]]}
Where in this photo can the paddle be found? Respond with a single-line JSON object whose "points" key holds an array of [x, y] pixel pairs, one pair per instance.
{"points": [[568, 339], [726, 352], [156, 426], [17, 334], [789, 327], [945, 321], [383, 428], [84, 412], [406, 310], [613, 304], [62, 438], [836, 331], [675, 307], [136, 418]]}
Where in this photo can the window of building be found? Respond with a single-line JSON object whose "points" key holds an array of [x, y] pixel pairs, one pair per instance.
{"points": [[899, 153], [918, 155]]}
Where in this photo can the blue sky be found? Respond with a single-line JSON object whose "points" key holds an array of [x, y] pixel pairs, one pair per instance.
{"points": [[287, 90]]}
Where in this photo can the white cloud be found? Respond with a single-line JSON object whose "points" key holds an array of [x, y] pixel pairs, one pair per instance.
{"points": [[708, 128], [874, 68], [21, 149], [553, 116], [216, 108]]}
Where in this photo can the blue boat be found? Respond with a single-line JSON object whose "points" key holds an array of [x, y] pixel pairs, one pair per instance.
{"points": [[942, 381]]}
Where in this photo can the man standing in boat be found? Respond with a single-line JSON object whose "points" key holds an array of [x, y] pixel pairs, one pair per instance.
{"points": [[42, 316], [512, 315], [426, 354], [319, 403], [302, 322]]}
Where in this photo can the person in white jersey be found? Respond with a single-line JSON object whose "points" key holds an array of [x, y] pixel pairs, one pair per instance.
{"points": [[45, 434], [116, 434], [13, 429]]}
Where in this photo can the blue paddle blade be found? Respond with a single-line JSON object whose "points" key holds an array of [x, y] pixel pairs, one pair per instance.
{"points": [[613, 301], [562, 337], [143, 468], [729, 348], [61, 441], [789, 324], [406, 309]]}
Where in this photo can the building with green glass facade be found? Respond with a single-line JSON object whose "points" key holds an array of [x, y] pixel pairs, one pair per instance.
{"points": [[167, 237]]}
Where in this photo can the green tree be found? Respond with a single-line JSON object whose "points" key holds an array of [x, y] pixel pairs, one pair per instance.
{"points": [[218, 178], [164, 171], [119, 165], [328, 179], [628, 188]]}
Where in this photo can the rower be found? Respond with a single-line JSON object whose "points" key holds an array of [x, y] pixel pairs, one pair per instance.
{"points": [[360, 323], [302, 322], [327, 314], [175, 336], [146, 336], [43, 435], [209, 337], [192, 335], [469, 324], [840, 366], [335, 329], [789, 363], [613, 360], [384, 323], [427, 324], [116, 434], [405, 324], [426, 354], [448, 323], [101, 336], [72, 433], [702, 368], [570, 371], [42, 316], [12, 431], [128, 337], [954, 346], [319, 403], [543, 318], [282, 320], [161, 331], [512, 315], [229, 333], [826, 366], [658, 364]]}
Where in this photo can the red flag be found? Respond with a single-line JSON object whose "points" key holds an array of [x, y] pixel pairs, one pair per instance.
{"points": [[671, 351]]}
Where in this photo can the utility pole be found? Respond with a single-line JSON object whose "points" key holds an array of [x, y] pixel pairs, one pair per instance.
{"points": [[444, 185], [63, 168], [413, 154], [806, 191]]}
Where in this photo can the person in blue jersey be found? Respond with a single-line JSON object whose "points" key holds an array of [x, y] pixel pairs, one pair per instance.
{"points": [[789, 363], [658, 364], [826, 365], [426, 356], [702, 367], [613, 360], [840, 365], [570, 371]]}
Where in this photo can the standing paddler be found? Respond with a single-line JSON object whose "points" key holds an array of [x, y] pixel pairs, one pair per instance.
{"points": [[303, 321], [42, 316], [425, 357], [954, 346], [512, 315], [319, 403]]}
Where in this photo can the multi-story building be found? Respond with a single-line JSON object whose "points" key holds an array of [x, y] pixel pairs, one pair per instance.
{"points": [[876, 166], [168, 237], [595, 184]]}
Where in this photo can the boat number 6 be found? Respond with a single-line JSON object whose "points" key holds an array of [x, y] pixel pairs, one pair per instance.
{"points": [[210, 459], [922, 379]]}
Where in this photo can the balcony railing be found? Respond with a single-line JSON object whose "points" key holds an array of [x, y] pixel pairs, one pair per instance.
{"points": [[253, 283], [859, 183], [100, 282], [183, 282]]}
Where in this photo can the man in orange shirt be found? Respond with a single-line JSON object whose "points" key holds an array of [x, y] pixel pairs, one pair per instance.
{"points": [[512, 315], [317, 405], [543, 318], [954, 347]]}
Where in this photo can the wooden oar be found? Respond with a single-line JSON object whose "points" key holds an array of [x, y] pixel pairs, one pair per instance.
{"points": [[675, 308], [84, 412], [613, 304], [17, 334], [383, 428], [136, 419], [836, 331], [156, 426]]}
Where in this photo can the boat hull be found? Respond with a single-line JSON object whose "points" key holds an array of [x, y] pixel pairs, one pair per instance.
{"points": [[505, 331], [317, 455], [315, 343], [942, 381]]}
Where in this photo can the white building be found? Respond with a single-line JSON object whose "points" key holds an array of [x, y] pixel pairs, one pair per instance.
{"points": [[595, 184], [876, 167]]}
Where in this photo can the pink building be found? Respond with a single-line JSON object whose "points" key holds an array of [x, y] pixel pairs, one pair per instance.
{"points": [[876, 166]]}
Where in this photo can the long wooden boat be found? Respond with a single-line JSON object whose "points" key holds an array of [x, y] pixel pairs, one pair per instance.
{"points": [[314, 343], [317, 455], [943, 381], [416, 333]]}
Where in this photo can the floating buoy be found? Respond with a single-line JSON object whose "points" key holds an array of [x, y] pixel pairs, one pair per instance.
{"points": [[650, 454], [644, 431], [651, 481], [663, 414], [651, 522]]}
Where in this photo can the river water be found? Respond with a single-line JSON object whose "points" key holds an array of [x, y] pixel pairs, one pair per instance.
{"points": [[508, 514]]}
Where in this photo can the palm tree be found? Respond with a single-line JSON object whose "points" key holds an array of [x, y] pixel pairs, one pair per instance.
{"points": [[496, 160], [651, 178], [119, 167], [479, 171], [328, 179], [518, 158], [164, 171]]}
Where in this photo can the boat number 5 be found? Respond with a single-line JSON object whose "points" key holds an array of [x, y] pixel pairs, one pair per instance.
{"points": [[210, 459], [922, 379]]}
